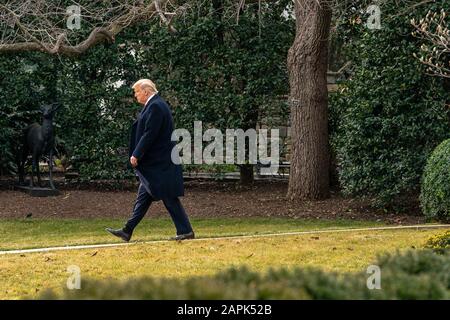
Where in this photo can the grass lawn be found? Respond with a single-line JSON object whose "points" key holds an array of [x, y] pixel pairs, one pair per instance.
{"points": [[29, 274], [29, 233]]}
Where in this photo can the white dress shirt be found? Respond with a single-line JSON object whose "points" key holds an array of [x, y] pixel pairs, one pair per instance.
{"points": [[150, 98]]}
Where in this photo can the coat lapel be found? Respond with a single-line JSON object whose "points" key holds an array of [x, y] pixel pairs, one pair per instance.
{"points": [[147, 105]]}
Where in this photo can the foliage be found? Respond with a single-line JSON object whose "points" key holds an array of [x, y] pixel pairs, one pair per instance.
{"points": [[389, 115], [411, 275], [221, 72], [435, 51], [18, 96], [440, 242], [6, 156], [98, 114], [435, 195]]}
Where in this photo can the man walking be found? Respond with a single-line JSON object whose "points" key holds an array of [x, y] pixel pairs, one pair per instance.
{"points": [[150, 155]]}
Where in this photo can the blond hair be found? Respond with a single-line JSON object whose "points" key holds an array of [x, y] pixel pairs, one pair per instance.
{"points": [[145, 84]]}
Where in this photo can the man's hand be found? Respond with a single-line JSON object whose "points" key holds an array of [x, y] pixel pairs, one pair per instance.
{"points": [[134, 161]]}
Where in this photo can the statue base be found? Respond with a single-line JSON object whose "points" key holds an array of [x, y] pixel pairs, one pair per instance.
{"points": [[39, 192]]}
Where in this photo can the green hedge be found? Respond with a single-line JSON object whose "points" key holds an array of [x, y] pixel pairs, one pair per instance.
{"points": [[389, 115], [440, 243], [19, 96], [411, 275], [435, 196]]}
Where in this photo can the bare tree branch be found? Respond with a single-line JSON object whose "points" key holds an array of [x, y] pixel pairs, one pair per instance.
{"points": [[40, 25], [435, 51], [163, 17]]}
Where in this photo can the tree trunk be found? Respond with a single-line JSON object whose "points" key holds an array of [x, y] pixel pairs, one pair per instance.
{"points": [[307, 65]]}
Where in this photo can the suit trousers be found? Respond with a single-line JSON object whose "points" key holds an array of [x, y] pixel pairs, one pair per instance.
{"points": [[173, 205]]}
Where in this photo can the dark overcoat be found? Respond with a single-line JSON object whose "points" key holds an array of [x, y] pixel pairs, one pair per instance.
{"points": [[151, 144]]}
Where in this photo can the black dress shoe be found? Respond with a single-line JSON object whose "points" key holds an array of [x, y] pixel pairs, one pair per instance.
{"points": [[185, 236], [120, 233]]}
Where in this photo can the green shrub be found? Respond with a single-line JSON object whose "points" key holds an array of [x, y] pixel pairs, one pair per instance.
{"points": [[440, 242], [411, 275], [389, 115], [7, 162], [18, 106], [414, 275], [435, 195]]}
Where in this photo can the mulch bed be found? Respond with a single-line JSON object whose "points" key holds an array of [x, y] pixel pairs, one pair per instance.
{"points": [[202, 199]]}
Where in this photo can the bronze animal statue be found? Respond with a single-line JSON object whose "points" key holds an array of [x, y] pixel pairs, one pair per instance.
{"points": [[39, 140]]}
